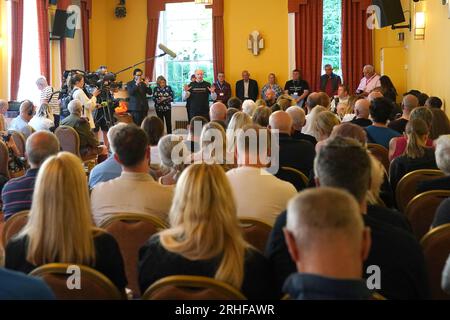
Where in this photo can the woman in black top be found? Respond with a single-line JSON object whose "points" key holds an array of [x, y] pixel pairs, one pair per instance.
{"points": [[416, 156], [163, 97], [60, 227], [388, 88], [205, 238]]}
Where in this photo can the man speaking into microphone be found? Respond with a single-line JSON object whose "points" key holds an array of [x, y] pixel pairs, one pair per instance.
{"points": [[197, 96], [138, 88]]}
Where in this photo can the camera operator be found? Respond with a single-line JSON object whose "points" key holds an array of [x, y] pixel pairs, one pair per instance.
{"points": [[89, 104], [138, 89]]}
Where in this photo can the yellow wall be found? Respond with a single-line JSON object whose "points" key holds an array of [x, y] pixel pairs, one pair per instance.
{"points": [[427, 60], [3, 52], [119, 43]]}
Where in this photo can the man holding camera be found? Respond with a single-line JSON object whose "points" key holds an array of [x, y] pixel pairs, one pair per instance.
{"points": [[138, 89]]}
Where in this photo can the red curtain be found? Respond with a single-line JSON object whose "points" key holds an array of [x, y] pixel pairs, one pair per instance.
{"points": [[62, 5], [308, 39], [44, 38], [86, 11], [16, 49], [357, 49], [154, 7]]}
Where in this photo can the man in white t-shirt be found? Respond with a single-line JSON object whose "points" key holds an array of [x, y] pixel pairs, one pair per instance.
{"points": [[49, 97], [370, 81], [257, 193]]}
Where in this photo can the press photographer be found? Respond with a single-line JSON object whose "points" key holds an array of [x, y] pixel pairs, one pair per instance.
{"points": [[138, 89]]}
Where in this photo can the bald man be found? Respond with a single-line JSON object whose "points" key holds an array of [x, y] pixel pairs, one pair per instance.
{"points": [[196, 94], [328, 242], [297, 154], [20, 123], [409, 103], [362, 111], [370, 81], [17, 193], [298, 121], [218, 113], [374, 95], [247, 88]]}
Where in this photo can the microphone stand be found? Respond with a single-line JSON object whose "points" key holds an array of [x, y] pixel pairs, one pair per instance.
{"points": [[135, 65]]}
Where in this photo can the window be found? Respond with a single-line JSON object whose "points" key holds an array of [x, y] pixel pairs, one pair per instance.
{"points": [[186, 28], [332, 34]]}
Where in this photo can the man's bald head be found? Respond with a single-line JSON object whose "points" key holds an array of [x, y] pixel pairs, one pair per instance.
{"points": [[313, 101], [298, 117], [281, 121], [375, 95], [362, 108], [41, 145], [218, 112], [410, 102]]}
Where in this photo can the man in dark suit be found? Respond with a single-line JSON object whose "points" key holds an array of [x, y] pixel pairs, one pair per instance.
{"points": [[247, 88], [138, 89], [297, 154]]}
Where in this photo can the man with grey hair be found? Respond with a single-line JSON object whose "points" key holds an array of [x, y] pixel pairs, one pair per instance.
{"points": [[370, 81], [20, 123], [345, 164], [298, 121], [409, 103], [110, 168], [362, 112], [328, 242], [49, 97], [17, 193]]}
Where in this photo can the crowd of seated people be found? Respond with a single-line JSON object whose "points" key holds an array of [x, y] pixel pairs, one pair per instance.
{"points": [[202, 182]]}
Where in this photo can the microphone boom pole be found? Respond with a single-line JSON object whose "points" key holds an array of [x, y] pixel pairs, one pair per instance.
{"points": [[135, 65]]}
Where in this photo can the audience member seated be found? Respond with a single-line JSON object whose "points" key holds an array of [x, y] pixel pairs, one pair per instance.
{"points": [[344, 163], [409, 103], [423, 97], [43, 119], [60, 229], [442, 214], [135, 191], [311, 119], [20, 123], [378, 132], [258, 194], [345, 112], [249, 107], [362, 113], [388, 89], [238, 121], [442, 155], [171, 167], [324, 124], [440, 124], [261, 116], [195, 130], [446, 277], [154, 128], [433, 102], [110, 168], [397, 146], [285, 101], [3, 109], [205, 238], [89, 144], [235, 103], [312, 102], [261, 103], [230, 114], [17, 193], [417, 155], [298, 122], [328, 242], [342, 97], [297, 154], [17, 286], [218, 113]]}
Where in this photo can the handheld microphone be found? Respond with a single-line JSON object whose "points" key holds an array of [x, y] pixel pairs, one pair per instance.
{"points": [[167, 50]]}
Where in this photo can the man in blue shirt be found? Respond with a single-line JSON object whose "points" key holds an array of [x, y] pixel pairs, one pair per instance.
{"points": [[20, 123], [17, 193], [18, 286]]}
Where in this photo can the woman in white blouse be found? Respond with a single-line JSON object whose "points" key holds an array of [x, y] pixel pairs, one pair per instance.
{"points": [[89, 105], [43, 119]]}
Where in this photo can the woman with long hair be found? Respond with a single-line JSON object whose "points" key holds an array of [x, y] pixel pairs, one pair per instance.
{"points": [[60, 227], [440, 124], [388, 89], [154, 128], [238, 121], [323, 126], [43, 119], [416, 156], [205, 238], [172, 151]]}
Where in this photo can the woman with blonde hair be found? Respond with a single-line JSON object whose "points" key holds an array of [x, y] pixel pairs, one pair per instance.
{"points": [[238, 121], [60, 227], [172, 151], [323, 126], [43, 119], [416, 156], [163, 96], [205, 238], [308, 128]]}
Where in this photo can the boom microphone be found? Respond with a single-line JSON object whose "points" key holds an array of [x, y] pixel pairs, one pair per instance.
{"points": [[167, 50]]}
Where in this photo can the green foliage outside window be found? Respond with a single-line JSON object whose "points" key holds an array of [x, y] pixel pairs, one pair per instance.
{"points": [[332, 34]]}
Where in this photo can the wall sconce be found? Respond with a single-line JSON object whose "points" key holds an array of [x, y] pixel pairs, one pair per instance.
{"points": [[419, 27]]}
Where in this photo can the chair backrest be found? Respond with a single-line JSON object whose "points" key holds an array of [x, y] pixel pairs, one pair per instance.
{"points": [[131, 231], [19, 140], [13, 226], [191, 288], [4, 159], [255, 232], [293, 176], [68, 139], [93, 284], [422, 209], [381, 153], [407, 186], [436, 248]]}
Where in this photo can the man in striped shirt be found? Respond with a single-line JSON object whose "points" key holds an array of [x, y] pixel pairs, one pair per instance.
{"points": [[48, 96], [17, 193]]}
